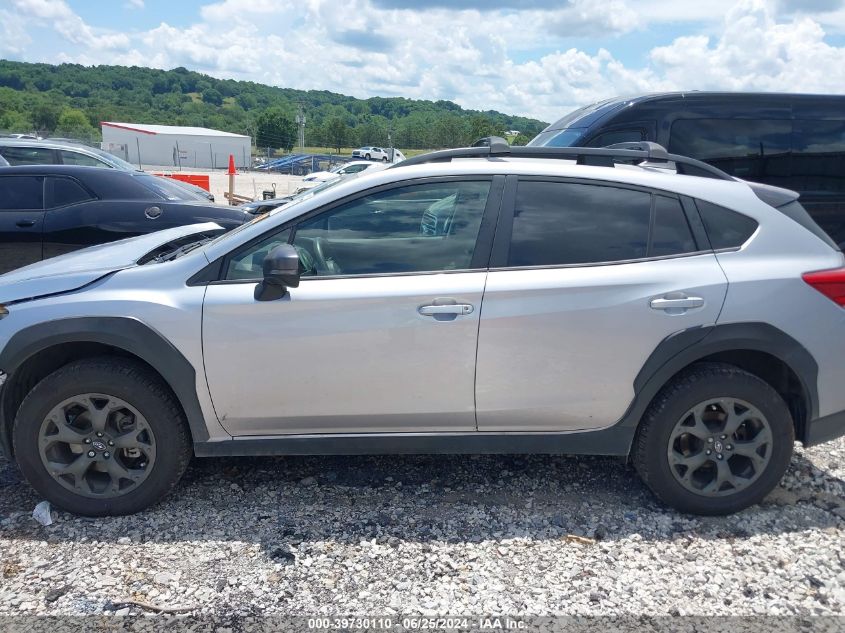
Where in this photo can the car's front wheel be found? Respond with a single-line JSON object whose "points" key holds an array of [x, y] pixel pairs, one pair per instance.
{"points": [[367, 156], [102, 436], [715, 440]]}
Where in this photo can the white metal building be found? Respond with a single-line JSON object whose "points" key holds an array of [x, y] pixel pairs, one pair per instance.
{"points": [[173, 145]]}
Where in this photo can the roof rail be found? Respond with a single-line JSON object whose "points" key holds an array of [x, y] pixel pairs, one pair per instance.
{"points": [[637, 153]]}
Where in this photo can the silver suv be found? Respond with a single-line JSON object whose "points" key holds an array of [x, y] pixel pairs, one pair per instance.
{"points": [[616, 301]]}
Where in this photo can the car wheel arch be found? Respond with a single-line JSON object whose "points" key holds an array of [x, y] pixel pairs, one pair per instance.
{"points": [[759, 348], [36, 351]]}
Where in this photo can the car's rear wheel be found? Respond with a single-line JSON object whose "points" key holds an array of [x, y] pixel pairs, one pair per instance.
{"points": [[102, 436], [384, 158], [715, 440]]}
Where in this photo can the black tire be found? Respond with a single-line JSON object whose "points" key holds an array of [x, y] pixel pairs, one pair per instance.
{"points": [[696, 385], [135, 384], [384, 158], [367, 156]]}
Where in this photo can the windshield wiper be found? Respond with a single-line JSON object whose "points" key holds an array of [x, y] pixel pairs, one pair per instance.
{"points": [[178, 252]]}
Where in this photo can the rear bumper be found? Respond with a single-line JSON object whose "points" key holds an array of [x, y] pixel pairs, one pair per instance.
{"points": [[825, 429]]}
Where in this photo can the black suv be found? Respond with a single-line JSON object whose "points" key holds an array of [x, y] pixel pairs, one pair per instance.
{"points": [[786, 140]]}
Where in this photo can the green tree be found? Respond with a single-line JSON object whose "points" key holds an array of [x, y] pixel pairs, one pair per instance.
{"points": [[212, 96], [481, 126], [450, 131], [521, 139], [275, 128], [45, 116], [336, 133], [14, 121], [74, 123]]}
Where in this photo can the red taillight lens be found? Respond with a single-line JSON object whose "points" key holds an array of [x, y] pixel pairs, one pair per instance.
{"points": [[831, 283]]}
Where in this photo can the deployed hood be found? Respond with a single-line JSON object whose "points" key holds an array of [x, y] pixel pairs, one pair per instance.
{"points": [[74, 270]]}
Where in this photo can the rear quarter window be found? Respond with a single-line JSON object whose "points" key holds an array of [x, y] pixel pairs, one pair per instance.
{"points": [[725, 228]]}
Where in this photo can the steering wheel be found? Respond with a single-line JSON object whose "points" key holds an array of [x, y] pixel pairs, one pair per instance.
{"points": [[325, 266]]}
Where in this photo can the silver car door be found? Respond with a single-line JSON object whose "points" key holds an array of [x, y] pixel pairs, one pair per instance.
{"points": [[380, 335], [584, 294]]}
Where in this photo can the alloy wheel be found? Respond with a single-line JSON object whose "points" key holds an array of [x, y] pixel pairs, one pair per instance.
{"points": [[97, 445], [719, 447]]}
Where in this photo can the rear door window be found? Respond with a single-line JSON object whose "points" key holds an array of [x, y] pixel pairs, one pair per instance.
{"points": [[28, 155], [671, 234], [753, 149], [818, 161], [557, 223], [75, 158], [22, 193]]}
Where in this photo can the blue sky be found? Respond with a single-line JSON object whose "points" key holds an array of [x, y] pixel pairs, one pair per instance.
{"points": [[534, 57]]}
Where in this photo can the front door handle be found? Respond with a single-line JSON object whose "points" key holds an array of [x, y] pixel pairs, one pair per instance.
{"points": [[677, 303], [24, 224], [449, 308]]}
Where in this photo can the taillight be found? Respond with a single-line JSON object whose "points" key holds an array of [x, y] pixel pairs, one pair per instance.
{"points": [[831, 283]]}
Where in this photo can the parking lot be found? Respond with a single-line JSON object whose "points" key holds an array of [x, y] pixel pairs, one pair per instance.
{"points": [[431, 534]]}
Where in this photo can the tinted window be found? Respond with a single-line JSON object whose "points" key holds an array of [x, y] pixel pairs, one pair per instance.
{"points": [[818, 162], [21, 192], [415, 228], [75, 158], [27, 155], [725, 228], [67, 191], [564, 223], [671, 234], [747, 148], [616, 136]]}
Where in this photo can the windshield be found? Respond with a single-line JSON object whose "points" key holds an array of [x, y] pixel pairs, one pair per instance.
{"points": [[558, 138], [164, 187]]}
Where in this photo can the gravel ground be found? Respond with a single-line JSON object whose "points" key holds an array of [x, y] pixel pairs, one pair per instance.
{"points": [[432, 534]]}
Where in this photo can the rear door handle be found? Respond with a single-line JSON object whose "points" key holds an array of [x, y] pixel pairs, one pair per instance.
{"points": [[680, 303], [450, 308], [25, 223]]}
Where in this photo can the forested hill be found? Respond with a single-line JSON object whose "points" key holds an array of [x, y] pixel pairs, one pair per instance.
{"points": [[72, 100]]}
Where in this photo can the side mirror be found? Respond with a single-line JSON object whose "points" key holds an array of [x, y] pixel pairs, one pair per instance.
{"points": [[281, 271]]}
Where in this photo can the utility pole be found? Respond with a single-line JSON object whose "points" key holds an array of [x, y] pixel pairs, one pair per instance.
{"points": [[300, 121]]}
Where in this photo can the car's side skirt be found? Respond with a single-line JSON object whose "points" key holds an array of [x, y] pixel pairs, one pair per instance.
{"points": [[615, 440]]}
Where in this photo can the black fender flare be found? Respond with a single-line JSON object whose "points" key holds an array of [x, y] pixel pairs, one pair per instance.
{"points": [[125, 333], [688, 346]]}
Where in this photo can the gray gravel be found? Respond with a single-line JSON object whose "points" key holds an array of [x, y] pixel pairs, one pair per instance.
{"points": [[431, 534]]}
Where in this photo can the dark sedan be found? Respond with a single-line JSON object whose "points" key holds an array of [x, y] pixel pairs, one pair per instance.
{"points": [[47, 210]]}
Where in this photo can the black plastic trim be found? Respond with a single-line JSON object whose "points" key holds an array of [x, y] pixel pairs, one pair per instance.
{"points": [[824, 429], [125, 333], [611, 441], [688, 346]]}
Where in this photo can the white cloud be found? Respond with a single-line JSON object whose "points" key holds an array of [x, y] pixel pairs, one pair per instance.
{"points": [[13, 36], [134, 4], [481, 55], [755, 53], [60, 16]]}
